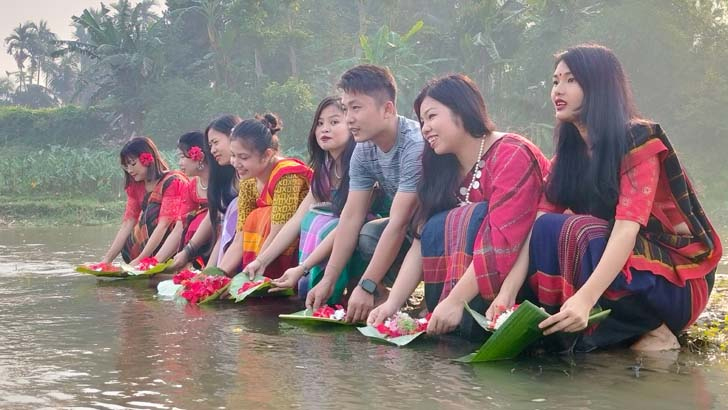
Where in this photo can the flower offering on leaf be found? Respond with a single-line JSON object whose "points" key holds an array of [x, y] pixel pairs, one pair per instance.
{"points": [[402, 324], [195, 153], [501, 316], [249, 285], [104, 267], [336, 313], [201, 286], [146, 159], [183, 276], [147, 263]]}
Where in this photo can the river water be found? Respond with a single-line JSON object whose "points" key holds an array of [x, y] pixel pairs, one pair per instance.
{"points": [[70, 341]]}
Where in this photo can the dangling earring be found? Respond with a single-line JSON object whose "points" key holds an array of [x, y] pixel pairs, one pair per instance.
{"points": [[200, 166]]}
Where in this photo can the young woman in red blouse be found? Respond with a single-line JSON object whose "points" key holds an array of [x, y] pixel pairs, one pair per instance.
{"points": [[154, 202], [624, 229]]}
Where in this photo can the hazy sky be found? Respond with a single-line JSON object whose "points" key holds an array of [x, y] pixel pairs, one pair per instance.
{"points": [[57, 12]]}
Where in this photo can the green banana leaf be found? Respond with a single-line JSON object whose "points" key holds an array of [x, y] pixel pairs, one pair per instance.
{"points": [[158, 268], [516, 333], [256, 291], [213, 271], [306, 316], [372, 332], [102, 274]]}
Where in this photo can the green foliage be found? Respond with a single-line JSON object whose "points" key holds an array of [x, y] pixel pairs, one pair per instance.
{"points": [[178, 106], [52, 170], [294, 102], [69, 125]]}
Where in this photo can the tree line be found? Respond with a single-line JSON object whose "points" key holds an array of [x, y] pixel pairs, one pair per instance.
{"points": [[162, 73]]}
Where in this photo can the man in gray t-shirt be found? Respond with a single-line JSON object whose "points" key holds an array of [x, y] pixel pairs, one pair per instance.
{"points": [[388, 155], [397, 170]]}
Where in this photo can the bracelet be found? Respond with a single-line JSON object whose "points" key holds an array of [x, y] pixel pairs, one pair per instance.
{"points": [[190, 250], [306, 269]]}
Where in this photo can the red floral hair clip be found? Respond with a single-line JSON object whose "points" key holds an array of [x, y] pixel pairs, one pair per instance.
{"points": [[146, 159], [195, 153]]}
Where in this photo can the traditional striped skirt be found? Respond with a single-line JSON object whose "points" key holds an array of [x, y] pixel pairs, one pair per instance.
{"points": [[565, 250], [447, 250], [317, 224]]}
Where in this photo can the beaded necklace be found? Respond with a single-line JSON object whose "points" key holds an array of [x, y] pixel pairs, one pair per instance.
{"points": [[474, 183]]}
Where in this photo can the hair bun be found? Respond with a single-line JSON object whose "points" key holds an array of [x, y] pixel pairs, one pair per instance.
{"points": [[272, 121]]}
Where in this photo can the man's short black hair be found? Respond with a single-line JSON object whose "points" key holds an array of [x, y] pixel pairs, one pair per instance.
{"points": [[374, 81]]}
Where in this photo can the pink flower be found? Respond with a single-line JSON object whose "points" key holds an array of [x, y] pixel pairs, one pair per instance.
{"points": [[401, 324], [195, 153], [146, 159], [147, 263]]}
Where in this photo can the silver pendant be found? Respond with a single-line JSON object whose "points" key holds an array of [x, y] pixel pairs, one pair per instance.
{"points": [[464, 191], [478, 173], [476, 184], [481, 163]]}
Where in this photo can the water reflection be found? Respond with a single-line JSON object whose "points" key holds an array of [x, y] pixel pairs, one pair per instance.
{"points": [[70, 341]]}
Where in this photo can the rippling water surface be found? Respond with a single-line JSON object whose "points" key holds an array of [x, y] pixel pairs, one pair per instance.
{"points": [[73, 342]]}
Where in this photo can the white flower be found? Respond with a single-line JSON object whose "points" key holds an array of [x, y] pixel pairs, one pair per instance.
{"points": [[339, 314]]}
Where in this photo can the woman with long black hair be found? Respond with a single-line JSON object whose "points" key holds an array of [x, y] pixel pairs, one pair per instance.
{"points": [[330, 145], [478, 197], [222, 195], [624, 228], [154, 202]]}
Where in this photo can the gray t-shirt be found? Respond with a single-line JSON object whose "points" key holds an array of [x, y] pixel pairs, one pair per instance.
{"points": [[398, 170]]}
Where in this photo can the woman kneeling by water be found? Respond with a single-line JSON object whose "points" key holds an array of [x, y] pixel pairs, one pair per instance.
{"points": [[222, 194], [194, 163], [466, 251], [330, 145], [635, 238], [154, 202], [271, 189]]}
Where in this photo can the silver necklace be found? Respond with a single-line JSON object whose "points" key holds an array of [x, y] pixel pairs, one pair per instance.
{"points": [[336, 174], [474, 183]]}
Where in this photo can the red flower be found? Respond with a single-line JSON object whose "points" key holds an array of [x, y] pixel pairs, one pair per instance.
{"points": [[147, 263], [195, 153], [146, 159], [183, 276], [329, 312], [103, 267], [249, 285], [202, 286]]}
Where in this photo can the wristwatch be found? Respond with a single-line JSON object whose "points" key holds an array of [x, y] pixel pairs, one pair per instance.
{"points": [[306, 269], [369, 286]]}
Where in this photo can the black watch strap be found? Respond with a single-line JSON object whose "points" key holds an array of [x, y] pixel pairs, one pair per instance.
{"points": [[369, 286]]}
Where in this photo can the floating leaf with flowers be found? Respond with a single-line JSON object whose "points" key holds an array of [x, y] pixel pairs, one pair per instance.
{"points": [[199, 287], [325, 314], [513, 329], [242, 286], [146, 267], [102, 270], [400, 329]]}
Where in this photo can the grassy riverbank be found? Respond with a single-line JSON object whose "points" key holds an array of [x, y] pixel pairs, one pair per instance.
{"points": [[59, 210]]}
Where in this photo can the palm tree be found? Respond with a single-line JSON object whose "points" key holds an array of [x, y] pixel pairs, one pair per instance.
{"points": [[122, 43], [19, 44], [44, 46]]}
